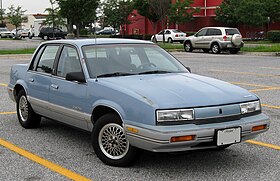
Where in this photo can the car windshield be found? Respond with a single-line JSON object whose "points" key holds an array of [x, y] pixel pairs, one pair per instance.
{"points": [[232, 31], [129, 59]]}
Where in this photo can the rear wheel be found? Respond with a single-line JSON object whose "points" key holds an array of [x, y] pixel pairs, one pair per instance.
{"points": [[26, 116], [110, 143], [215, 48], [188, 46], [154, 40], [169, 40]]}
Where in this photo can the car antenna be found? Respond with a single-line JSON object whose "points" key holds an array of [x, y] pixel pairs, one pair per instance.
{"points": [[95, 47]]}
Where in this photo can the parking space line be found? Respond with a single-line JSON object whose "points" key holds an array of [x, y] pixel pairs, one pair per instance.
{"points": [[245, 73], [270, 106], [253, 85], [5, 85], [52, 166], [5, 113], [265, 89], [273, 68], [263, 144]]}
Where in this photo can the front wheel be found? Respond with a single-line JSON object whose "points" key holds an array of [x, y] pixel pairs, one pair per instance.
{"points": [[110, 143], [26, 116], [188, 46]]}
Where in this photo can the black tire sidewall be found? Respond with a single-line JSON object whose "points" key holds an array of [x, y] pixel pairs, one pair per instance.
{"points": [[191, 48], [128, 159]]}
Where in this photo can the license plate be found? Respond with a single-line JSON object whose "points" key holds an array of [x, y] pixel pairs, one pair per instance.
{"points": [[228, 136]]}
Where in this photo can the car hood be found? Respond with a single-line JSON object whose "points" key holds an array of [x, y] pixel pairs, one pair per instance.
{"points": [[181, 90]]}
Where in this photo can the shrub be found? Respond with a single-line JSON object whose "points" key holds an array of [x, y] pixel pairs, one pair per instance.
{"points": [[274, 35], [190, 33]]}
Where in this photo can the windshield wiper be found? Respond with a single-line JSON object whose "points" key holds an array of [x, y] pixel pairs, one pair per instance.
{"points": [[155, 72], [115, 74]]}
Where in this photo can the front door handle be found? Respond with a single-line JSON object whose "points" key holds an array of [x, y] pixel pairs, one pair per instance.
{"points": [[54, 86]]}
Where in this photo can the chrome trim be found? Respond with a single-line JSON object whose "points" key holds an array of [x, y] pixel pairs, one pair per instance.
{"points": [[228, 115], [61, 109], [148, 139]]}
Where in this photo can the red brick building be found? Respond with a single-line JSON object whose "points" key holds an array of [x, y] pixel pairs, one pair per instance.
{"points": [[206, 17]]}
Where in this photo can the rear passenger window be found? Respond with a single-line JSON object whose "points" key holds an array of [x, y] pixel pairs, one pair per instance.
{"points": [[213, 32], [47, 59]]}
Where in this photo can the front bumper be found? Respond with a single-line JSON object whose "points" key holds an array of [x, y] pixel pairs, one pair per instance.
{"points": [[157, 138]]}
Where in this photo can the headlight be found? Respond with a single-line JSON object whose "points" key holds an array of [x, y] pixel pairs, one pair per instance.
{"points": [[175, 115], [250, 107]]}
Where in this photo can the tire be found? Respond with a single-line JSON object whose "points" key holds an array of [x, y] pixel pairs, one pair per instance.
{"points": [[169, 40], [26, 116], [188, 46], [110, 143], [234, 51], [205, 50], [215, 48], [154, 40]]}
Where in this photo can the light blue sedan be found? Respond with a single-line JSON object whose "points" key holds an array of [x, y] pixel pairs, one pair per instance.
{"points": [[132, 96]]}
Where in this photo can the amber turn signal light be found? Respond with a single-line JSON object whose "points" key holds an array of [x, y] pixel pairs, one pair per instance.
{"points": [[182, 138], [258, 128]]}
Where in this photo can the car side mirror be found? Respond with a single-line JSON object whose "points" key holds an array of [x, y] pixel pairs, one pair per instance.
{"points": [[189, 69], [76, 76]]}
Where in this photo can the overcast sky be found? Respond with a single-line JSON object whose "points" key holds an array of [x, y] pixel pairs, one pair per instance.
{"points": [[32, 6]]}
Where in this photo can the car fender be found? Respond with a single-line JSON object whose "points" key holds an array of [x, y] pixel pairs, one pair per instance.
{"points": [[215, 41], [110, 104]]}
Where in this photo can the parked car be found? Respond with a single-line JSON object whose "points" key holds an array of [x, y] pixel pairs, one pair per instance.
{"points": [[132, 95], [20, 32], [105, 32], [5, 33], [171, 35], [48, 32], [215, 39]]}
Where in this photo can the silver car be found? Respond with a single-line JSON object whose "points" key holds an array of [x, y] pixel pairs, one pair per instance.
{"points": [[5, 33], [215, 39]]}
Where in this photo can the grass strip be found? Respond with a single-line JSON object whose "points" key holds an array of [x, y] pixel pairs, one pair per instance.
{"points": [[19, 51]]}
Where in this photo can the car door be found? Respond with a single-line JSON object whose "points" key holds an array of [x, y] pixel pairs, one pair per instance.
{"points": [[199, 41], [159, 36], [69, 98], [39, 78]]}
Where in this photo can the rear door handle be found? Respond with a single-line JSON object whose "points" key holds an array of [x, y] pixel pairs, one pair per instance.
{"points": [[54, 86], [31, 80]]}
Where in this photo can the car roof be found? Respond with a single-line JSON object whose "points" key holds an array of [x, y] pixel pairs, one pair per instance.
{"points": [[98, 41], [220, 27]]}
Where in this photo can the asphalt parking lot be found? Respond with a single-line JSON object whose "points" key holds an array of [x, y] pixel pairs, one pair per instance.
{"points": [[57, 152]]}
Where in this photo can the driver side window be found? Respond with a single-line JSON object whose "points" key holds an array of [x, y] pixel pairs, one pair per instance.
{"points": [[68, 62]]}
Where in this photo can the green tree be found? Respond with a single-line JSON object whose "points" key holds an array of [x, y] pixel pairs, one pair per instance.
{"points": [[181, 12], [116, 12], [272, 9], [2, 12], [15, 16], [78, 12], [54, 18], [143, 8], [154, 10], [248, 12]]}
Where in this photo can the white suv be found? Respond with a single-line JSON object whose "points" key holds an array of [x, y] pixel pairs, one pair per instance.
{"points": [[215, 39]]}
